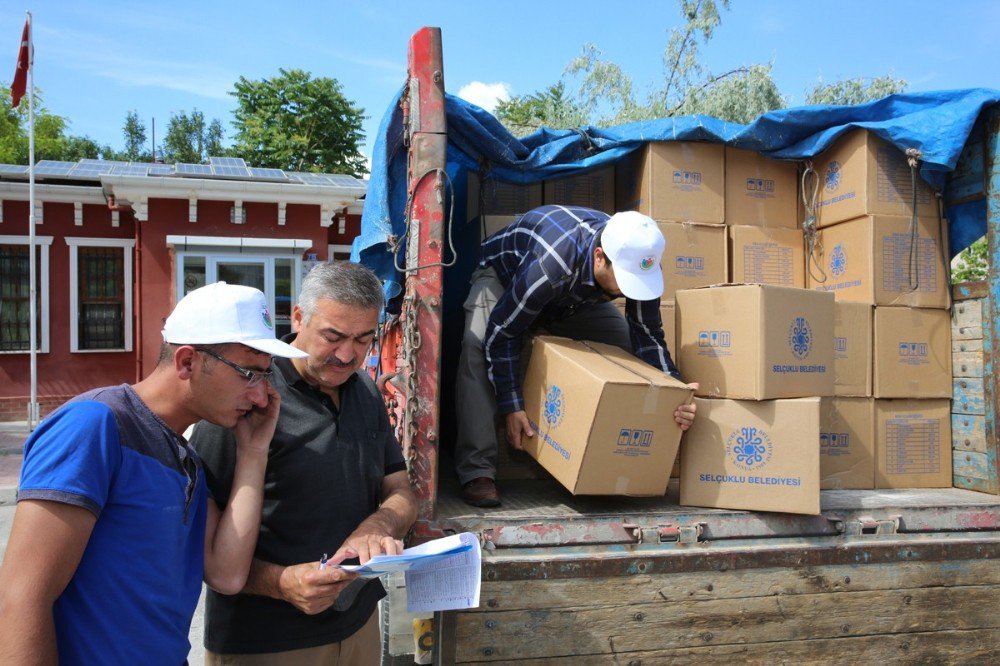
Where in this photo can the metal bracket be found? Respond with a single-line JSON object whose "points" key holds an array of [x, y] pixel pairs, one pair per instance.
{"points": [[681, 534], [866, 525]]}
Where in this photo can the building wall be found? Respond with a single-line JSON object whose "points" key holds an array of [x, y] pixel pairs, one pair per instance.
{"points": [[61, 373]]}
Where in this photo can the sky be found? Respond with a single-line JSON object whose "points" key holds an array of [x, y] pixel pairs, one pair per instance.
{"points": [[97, 60]]}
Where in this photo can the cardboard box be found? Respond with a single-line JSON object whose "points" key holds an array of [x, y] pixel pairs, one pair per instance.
{"points": [[852, 349], [696, 255], [913, 444], [759, 456], [868, 259], [760, 191], [592, 189], [676, 181], [490, 224], [762, 255], [603, 419], [501, 197], [912, 353], [847, 444], [863, 175], [756, 342], [667, 316]]}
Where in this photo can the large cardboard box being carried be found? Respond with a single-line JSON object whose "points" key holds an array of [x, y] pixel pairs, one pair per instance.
{"points": [[603, 419], [912, 353], [873, 260], [852, 349], [696, 255], [667, 317], [913, 444], [675, 181], [767, 256], [501, 198], [592, 189], [759, 456], [863, 175], [756, 342], [847, 443], [760, 191]]}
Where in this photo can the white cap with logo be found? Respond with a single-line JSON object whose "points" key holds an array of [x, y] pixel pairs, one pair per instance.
{"points": [[634, 244], [219, 313]]}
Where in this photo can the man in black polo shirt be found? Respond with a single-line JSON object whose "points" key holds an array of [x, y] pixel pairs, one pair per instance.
{"points": [[336, 483]]}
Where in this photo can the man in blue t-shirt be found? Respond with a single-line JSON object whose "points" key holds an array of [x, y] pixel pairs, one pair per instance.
{"points": [[113, 532]]}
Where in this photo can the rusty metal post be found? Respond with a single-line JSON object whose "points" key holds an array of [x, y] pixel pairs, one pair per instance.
{"points": [[427, 139], [991, 332]]}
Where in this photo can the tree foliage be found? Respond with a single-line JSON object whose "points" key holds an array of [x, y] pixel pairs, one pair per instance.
{"points": [[596, 91], [298, 123], [190, 140], [972, 263], [52, 139], [134, 131], [855, 91]]}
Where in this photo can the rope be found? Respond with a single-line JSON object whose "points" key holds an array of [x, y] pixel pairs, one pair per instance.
{"points": [[913, 159], [394, 246], [810, 234]]}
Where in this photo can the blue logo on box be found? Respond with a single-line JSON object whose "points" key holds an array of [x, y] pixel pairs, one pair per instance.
{"points": [[636, 438], [687, 177], [689, 263], [714, 338], [838, 260], [800, 337], [913, 351], [749, 448], [760, 185], [834, 443], [833, 176], [554, 408]]}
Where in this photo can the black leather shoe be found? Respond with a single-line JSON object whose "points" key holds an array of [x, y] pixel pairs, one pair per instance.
{"points": [[481, 492]]}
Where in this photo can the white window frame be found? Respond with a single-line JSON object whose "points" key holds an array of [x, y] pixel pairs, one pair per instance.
{"points": [[225, 248], [43, 242], [74, 243]]}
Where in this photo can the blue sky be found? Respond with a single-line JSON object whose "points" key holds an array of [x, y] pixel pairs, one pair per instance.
{"points": [[96, 60]]}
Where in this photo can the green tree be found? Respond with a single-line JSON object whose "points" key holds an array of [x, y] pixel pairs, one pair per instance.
{"points": [[190, 140], [298, 123], [973, 263], [52, 141], [855, 91], [134, 131], [602, 93]]}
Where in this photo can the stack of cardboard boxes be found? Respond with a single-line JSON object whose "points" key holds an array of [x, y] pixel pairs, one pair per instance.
{"points": [[833, 377], [889, 424]]}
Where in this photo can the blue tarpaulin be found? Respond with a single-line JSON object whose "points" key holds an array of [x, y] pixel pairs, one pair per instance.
{"points": [[936, 123]]}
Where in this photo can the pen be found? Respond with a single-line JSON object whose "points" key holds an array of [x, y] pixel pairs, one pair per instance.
{"points": [[322, 562]]}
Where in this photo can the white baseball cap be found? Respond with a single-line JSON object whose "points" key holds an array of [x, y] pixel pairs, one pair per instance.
{"points": [[634, 244], [219, 313]]}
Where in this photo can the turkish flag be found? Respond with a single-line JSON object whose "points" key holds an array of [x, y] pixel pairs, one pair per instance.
{"points": [[20, 83]]}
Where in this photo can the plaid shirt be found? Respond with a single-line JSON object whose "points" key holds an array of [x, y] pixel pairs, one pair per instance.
{"points": [[545, 260]]}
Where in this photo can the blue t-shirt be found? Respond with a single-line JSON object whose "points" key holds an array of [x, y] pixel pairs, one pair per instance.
{"points": [[132, 597]]}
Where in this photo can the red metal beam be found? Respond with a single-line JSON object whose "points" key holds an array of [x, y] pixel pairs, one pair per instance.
{"points": [[424, 114]]}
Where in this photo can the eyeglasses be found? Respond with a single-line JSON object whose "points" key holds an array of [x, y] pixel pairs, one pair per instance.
{"points": [[253, 377]]}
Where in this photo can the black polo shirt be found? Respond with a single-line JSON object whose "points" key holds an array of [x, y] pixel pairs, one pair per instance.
{"points": [[324, 476]]}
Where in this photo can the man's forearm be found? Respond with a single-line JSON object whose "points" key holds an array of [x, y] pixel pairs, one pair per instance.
{"points": [[264, 579], [393, 518], [27, 636], [228, 561]]}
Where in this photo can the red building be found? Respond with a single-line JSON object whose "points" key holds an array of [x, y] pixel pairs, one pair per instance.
{"points": [[118, 243]]}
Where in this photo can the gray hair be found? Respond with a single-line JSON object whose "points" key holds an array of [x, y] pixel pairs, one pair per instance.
{"points": [[341, 281]]}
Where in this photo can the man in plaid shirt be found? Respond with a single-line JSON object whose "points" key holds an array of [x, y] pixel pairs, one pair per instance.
{"points": [[556, 267]]}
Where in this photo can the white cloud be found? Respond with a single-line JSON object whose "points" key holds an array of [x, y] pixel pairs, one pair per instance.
{"points": [[485, 95]]}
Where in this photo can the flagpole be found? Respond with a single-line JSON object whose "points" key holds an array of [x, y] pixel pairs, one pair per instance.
{"points": [[33, 411]]}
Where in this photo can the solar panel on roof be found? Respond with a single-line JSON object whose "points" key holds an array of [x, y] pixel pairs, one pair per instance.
{"points": [[130, 170], [267, 174], [13, 168], [92, 168], [193, 169], [227, 161], [230, 171], [161, 170], [53, 168]]}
